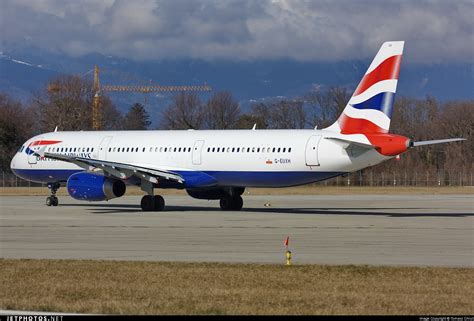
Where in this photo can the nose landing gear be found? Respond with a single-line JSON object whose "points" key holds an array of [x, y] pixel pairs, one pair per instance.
{"points": [[52, 200]]}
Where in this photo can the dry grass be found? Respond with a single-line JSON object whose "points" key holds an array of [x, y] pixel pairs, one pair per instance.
{"points": [[298, 190], [206, 288]]}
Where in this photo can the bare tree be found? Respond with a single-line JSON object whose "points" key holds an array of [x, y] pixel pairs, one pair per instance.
{"points": [[185, 112], [327, 104], [247, 121], [112, 118], [16, 126], [222, 111], [70, 106], [282, 114]]}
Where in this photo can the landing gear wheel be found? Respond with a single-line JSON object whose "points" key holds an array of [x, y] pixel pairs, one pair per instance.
{"points": [[226, 203], [52, 200], [229, 203], [159, 203], [147, 203], [238, 203]]}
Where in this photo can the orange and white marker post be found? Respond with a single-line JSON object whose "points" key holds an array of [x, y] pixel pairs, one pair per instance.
{"points": [[288, 252]]}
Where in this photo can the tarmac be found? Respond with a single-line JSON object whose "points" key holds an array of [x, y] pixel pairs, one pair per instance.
{"points": [[421, 230]]}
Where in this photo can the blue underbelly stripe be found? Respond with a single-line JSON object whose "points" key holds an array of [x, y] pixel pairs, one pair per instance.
{"points": [[224, 178]]}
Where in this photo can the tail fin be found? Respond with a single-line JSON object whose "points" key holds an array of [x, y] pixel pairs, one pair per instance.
{"points": [[370, 108]]}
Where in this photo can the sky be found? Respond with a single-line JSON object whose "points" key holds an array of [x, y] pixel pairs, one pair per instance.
{"points": [[312, 30]]}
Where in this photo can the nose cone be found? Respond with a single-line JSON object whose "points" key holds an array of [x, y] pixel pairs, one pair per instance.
{"points": [[14, 163]]}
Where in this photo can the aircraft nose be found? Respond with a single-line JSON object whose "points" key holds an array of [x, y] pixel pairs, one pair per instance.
{"points": [[14, 163]]}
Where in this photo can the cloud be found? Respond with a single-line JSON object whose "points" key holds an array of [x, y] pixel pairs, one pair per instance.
{"points": [[311, 30]]}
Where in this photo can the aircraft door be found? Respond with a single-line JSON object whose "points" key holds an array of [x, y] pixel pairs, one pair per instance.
{"points": [[104, 144], [312, 151], [197, 152]]}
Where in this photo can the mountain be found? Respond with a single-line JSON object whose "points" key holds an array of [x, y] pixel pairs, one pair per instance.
{"points": [[26, 71]]}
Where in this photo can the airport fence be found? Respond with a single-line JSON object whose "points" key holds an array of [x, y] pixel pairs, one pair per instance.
{"points": [[360, 178]]}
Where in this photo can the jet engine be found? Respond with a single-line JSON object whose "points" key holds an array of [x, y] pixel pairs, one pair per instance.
{"points": [[91, 187]]}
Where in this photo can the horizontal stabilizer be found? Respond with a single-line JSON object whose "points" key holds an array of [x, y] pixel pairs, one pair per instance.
{"points": [[436, 141], [351, 142]]}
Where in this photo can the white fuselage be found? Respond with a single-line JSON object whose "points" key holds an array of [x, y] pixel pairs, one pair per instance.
{"points": [[271, 158]]}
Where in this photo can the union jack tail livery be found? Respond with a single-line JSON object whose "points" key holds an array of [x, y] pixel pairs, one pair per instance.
{"points": [[370, 108]]}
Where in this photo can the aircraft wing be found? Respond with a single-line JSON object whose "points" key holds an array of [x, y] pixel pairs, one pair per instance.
{"points": [[118, 170]]}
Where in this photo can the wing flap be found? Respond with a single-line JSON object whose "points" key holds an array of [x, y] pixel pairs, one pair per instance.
{"points": [[119, 170]]}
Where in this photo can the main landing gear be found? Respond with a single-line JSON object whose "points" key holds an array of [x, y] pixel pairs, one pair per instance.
{"points": [[231, 203], [151, 203], [52, 200]]}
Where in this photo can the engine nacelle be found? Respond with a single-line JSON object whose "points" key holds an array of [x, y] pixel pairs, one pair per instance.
{"points": [[214, 193], [90, 187]]}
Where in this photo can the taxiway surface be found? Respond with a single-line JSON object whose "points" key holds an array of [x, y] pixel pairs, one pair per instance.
{"points": [[343, 229]]}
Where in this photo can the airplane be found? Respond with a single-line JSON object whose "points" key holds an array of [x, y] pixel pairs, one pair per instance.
{"points": [[220, 164]]}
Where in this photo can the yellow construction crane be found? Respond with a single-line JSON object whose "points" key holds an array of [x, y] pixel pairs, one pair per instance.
{"points": [[97, 89]]}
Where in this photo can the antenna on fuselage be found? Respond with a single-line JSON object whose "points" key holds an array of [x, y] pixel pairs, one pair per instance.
{"points": [[254, 126], [56, 129]]}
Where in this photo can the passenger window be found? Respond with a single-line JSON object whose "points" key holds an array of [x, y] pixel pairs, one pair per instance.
{"points": [[284, 149], [128, 148], [228, 149], [110, 149], [248, 149], [273, 150], [175, 149], [166, 148], [233, 149], [278, 149], [189, 149], [289, 150], [208, 149], [253, 149], [238, 149], [258, 150]]}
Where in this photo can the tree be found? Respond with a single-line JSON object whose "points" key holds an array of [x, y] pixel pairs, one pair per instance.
{"points": [[247, 121], [184, 112], [16, 126], [222, 111], [70, 106], [281, 114], [137, 118], [327, 104]]}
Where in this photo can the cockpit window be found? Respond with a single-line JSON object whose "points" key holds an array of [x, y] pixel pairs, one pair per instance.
{"points": [[21, 148]]}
